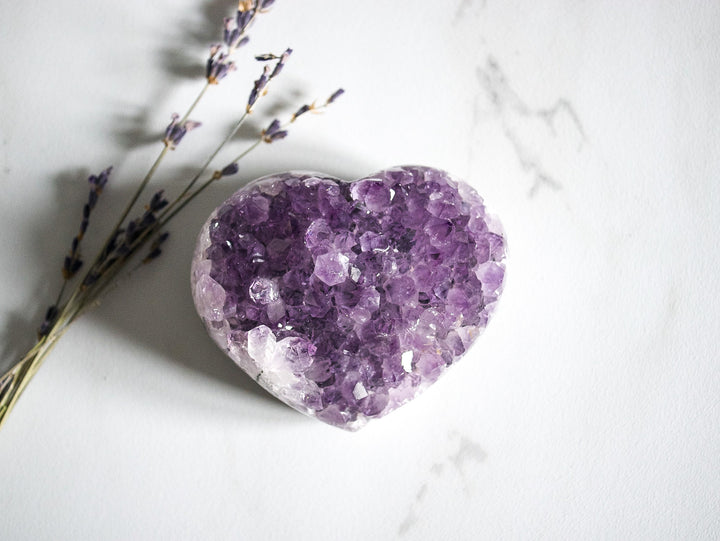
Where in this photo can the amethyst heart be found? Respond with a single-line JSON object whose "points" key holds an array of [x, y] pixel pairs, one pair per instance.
{"points": [[346, 299]]}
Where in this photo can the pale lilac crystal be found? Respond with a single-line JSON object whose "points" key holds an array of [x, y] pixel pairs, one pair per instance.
{"points": [[332, 268], [345, 299]]}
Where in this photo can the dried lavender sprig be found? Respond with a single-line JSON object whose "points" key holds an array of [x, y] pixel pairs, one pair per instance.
{"points": [[136, 228], [216, 70], [73, 261], [176, 130], [14, 381], [274, 132], [174, 133], [258, 89], [314, 108], [140, 231], [281, 63], [260, 85], [178, 127], [133, 237], [218, 66], [230, 134], [219, 62]]}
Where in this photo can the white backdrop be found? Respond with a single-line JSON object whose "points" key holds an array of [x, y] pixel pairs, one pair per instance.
{"points": [[588, 410]]}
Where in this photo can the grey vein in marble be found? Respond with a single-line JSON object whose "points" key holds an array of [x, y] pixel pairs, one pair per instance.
{"points": [[517, 119], [467, 452], [464, 6]]}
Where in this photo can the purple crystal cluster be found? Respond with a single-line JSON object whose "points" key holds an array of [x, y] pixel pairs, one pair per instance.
{"points": [[345, 299]]}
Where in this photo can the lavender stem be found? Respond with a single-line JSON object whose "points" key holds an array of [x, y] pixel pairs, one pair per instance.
{"points": [[165, 219], [205, 165], [194, 103]]}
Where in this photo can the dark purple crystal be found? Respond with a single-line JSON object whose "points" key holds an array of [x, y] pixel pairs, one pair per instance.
{"points": [[345, 299]]}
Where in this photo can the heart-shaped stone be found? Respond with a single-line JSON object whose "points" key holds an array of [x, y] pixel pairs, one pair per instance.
{"points": [[346, 299]]}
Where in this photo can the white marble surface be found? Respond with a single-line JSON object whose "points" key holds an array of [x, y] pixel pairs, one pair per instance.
{"points": [[588, 410]]}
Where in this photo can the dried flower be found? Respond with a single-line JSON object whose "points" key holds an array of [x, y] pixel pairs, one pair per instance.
{"points": [[304, 109], [97, 183], [312, 107], [244, 17], [281, 63], [258, 88], [175, 131], [73, 262], [229, 170], [130, 235], [273, 132], [335, 95], [265, 4], [218, 65]]}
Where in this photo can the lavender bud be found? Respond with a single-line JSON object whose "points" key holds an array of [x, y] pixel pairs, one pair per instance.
{"points": [[172, 129], [258, 87], [273, 132], [266, 4], [335, 95], [244, 15], [230, 169], [281, 63], [175, 131], [265, 57], [72, 262], [272, 128], [218, 65], [97, 182], [304, 109], [103, 177], [231, 32]]}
